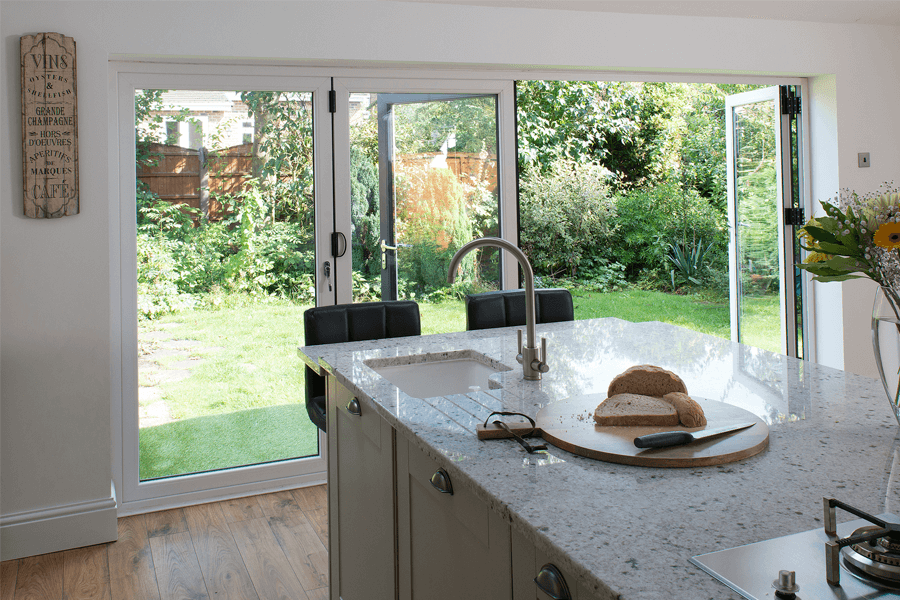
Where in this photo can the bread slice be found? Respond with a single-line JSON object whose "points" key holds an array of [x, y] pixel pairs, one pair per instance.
{"points": [[646, 380], [635, 409], [690, 414]]}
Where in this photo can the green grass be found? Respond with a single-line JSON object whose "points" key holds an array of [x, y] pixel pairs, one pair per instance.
{"points": [[762, 327], [244, 404], [245, 401], [443, 317], [221, 441]]}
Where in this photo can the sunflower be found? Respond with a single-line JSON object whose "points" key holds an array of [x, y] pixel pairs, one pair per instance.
{"points": [[888, 236]]}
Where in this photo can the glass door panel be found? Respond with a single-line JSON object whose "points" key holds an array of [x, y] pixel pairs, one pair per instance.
{"points": [[225, 221], [763, 292], [424, 181], [226, 229]]}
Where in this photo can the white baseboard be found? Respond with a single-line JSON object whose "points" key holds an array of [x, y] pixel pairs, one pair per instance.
{"points": [[60, 527]]}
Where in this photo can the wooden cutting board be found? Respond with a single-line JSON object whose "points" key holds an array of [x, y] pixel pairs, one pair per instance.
{"points": [[569, 424]]}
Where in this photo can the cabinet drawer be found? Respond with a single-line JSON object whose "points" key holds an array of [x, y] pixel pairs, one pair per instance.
{"points": [[362, 418], [527, 563], [462, 507], [452, 545]]}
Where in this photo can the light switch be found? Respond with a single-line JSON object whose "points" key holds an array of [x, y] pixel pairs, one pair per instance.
{"points": [[863, 158]]}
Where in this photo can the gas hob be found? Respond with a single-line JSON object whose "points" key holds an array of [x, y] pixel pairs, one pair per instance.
{"points": [[852, 561]]}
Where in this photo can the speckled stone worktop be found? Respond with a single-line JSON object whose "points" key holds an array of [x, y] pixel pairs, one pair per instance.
{"points": [[628, 532]]}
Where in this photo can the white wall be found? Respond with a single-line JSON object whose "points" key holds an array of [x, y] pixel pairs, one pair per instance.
{"points": [[57, 365]]}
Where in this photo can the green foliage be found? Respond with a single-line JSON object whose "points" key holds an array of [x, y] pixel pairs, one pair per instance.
{"points": [[649, 220], [161, 216], [365, 214], [702, 158], [565, 215], [283, 151], [158, 277], [842, 245], [467, 124], [621, 125], [690, 261]]}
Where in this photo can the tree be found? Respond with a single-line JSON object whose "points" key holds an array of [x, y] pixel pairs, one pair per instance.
{"points": [[621, 126], [283, 151]]}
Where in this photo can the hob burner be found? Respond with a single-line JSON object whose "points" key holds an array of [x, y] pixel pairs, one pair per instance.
{"points": [[871, 552]]}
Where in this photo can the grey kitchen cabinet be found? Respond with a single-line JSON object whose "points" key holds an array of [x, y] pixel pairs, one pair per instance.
{"points": [[361, 499], [395, 533], [527, 563], [451, 543]]}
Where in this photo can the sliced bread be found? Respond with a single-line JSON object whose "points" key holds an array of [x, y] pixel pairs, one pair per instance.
{"points": [[646, 380], [635, 409], [690, 414]]}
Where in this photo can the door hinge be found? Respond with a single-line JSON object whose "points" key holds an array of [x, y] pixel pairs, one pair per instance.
{"points": [[794, 216], [332, 101], [790, 101]]}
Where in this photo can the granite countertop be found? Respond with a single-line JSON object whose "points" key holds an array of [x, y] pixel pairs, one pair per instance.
{"points": [[627, 531]]}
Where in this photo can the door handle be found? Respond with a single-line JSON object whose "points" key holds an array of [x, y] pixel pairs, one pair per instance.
{"points": [[338, 244], [354, 408], [384, 249]]}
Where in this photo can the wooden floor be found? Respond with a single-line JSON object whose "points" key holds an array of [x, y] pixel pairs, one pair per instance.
{"points": [[268, 547]]}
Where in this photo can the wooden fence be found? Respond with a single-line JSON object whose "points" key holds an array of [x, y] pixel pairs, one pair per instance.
{"points": [[198, 177]]}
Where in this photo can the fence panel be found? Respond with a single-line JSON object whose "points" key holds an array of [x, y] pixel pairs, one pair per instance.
{"points": [[200, 179]]}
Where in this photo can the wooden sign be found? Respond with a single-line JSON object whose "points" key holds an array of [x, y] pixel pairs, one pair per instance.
{"points": [[49, 126]]}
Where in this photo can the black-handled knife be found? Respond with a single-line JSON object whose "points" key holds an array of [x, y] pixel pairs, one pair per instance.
{"points": [[679, 438]]}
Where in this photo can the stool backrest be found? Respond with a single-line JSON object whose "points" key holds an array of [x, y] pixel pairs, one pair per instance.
{"points": [[356, 323], [507, 308]]}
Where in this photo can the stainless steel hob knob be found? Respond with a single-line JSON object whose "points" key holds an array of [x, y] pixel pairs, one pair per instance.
{"points": [[785, 586]]}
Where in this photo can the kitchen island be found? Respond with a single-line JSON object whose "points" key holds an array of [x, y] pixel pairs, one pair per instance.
{"points": [[618, 531]]}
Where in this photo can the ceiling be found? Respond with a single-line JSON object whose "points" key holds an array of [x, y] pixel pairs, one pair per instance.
{"points": [[877, 12]]}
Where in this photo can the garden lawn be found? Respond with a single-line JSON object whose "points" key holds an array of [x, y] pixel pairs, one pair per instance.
{"points": [[244, 403], [762, 326]]}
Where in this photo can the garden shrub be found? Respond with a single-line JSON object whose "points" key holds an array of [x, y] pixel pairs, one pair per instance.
{"points": [[158, 277], [566, 216], [649, 220]]}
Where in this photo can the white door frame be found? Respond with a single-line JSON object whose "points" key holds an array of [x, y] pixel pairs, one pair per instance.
{"points": [[506, 156], [136, 496], [786, 256]]}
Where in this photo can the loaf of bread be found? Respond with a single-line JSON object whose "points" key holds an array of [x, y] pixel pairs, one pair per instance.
{"points": [[649, 395], [635, 409], [646, 380], [690, 414]]}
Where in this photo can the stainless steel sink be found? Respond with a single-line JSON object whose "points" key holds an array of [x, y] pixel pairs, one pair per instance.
{"points": [[439, 374]]}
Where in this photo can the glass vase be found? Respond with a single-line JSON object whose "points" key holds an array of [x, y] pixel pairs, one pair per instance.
{"points": [[886, 343]]}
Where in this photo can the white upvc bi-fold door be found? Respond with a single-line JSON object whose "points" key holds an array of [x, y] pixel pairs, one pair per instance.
{"points": [[199, 458], [434, 145], [764, 185], [406, 135]]}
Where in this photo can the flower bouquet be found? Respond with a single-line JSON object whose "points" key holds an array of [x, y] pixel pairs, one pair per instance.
{"points": [[859, 236]]}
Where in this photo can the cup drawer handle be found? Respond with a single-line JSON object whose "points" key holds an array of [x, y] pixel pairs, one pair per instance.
{"points": [[551, 582], [441, 482], [353, 407]]}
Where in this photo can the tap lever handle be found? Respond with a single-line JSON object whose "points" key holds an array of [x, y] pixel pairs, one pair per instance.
{"points": [[541, 364], [520, 357]]}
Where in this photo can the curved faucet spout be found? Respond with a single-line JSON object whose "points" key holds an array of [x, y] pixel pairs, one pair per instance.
{"points": [[534, 361]]}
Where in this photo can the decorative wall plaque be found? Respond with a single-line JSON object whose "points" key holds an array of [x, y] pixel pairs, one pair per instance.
{"points": [[49, 126]]}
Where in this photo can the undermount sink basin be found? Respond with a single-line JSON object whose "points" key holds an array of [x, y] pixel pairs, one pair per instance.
{"points": [[438, 374]]}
